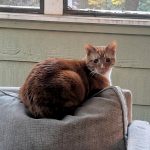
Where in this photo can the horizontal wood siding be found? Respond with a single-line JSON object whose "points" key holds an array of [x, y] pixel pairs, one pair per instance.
{"points": [[13, 73], [141, 112], [23, 43], [135, 79]]}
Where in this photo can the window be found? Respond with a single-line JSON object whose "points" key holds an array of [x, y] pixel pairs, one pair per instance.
{"points": [[126, 8], [30, 6]]}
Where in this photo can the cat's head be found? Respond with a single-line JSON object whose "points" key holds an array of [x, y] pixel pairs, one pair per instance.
{"points": [[100, 59]]}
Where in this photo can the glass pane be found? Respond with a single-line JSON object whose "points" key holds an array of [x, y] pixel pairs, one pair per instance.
{"points": [[110, 5], [20, 3]]}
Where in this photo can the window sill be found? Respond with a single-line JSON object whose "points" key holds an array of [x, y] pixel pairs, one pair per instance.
{"points": [[74, 19]]}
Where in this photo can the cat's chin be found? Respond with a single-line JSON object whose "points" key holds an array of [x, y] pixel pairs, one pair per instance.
{"points": [[108, 75]]}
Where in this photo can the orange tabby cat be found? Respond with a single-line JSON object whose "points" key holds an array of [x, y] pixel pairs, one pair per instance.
{"points": [[56, 87]]}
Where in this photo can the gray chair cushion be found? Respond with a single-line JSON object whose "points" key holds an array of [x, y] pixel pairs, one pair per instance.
{"points": [[100, 124]]}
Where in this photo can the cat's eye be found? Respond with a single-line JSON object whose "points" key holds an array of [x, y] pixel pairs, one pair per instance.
{"points": [[95, 60], [107, 60]]}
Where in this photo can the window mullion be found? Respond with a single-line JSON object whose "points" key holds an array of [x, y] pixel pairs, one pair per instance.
{"points": [[54, 7]]}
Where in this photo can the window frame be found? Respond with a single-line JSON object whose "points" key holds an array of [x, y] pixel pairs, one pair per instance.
{"points": [[24, 10], [55, 12], [108, 14]]}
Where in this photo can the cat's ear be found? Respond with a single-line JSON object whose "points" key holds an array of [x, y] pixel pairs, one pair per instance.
{"points": [[112, 47], [89, 49]]}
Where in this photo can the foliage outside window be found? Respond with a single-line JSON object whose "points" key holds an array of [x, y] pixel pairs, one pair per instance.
{"points": [[114, 7], [32, 6]]}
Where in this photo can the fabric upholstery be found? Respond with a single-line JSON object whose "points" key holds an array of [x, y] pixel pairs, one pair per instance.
{"points": [[100, 124], [139, 135]]}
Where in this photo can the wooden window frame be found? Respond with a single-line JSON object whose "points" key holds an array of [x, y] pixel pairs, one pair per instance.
{"points": [[55, 11]]}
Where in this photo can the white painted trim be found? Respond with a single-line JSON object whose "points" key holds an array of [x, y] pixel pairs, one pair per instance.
{"points": [[53, 7], [74, 19]]}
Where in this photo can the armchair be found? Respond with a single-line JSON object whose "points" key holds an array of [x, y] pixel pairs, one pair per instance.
{"points": [[104, 122]]}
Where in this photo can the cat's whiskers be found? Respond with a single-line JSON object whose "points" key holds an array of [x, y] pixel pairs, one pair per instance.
{"points": [[95, 72], [92, 73]]}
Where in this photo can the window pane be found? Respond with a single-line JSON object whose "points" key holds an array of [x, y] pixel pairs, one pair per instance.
{"points": [[21, 3], [111, 6], [28, 6]]}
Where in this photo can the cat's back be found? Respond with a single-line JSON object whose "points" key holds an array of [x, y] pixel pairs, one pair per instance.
{"points": [[57, 64], [54, 68]]}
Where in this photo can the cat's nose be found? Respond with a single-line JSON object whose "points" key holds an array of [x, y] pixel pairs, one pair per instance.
{"points": [[102, 66]]}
